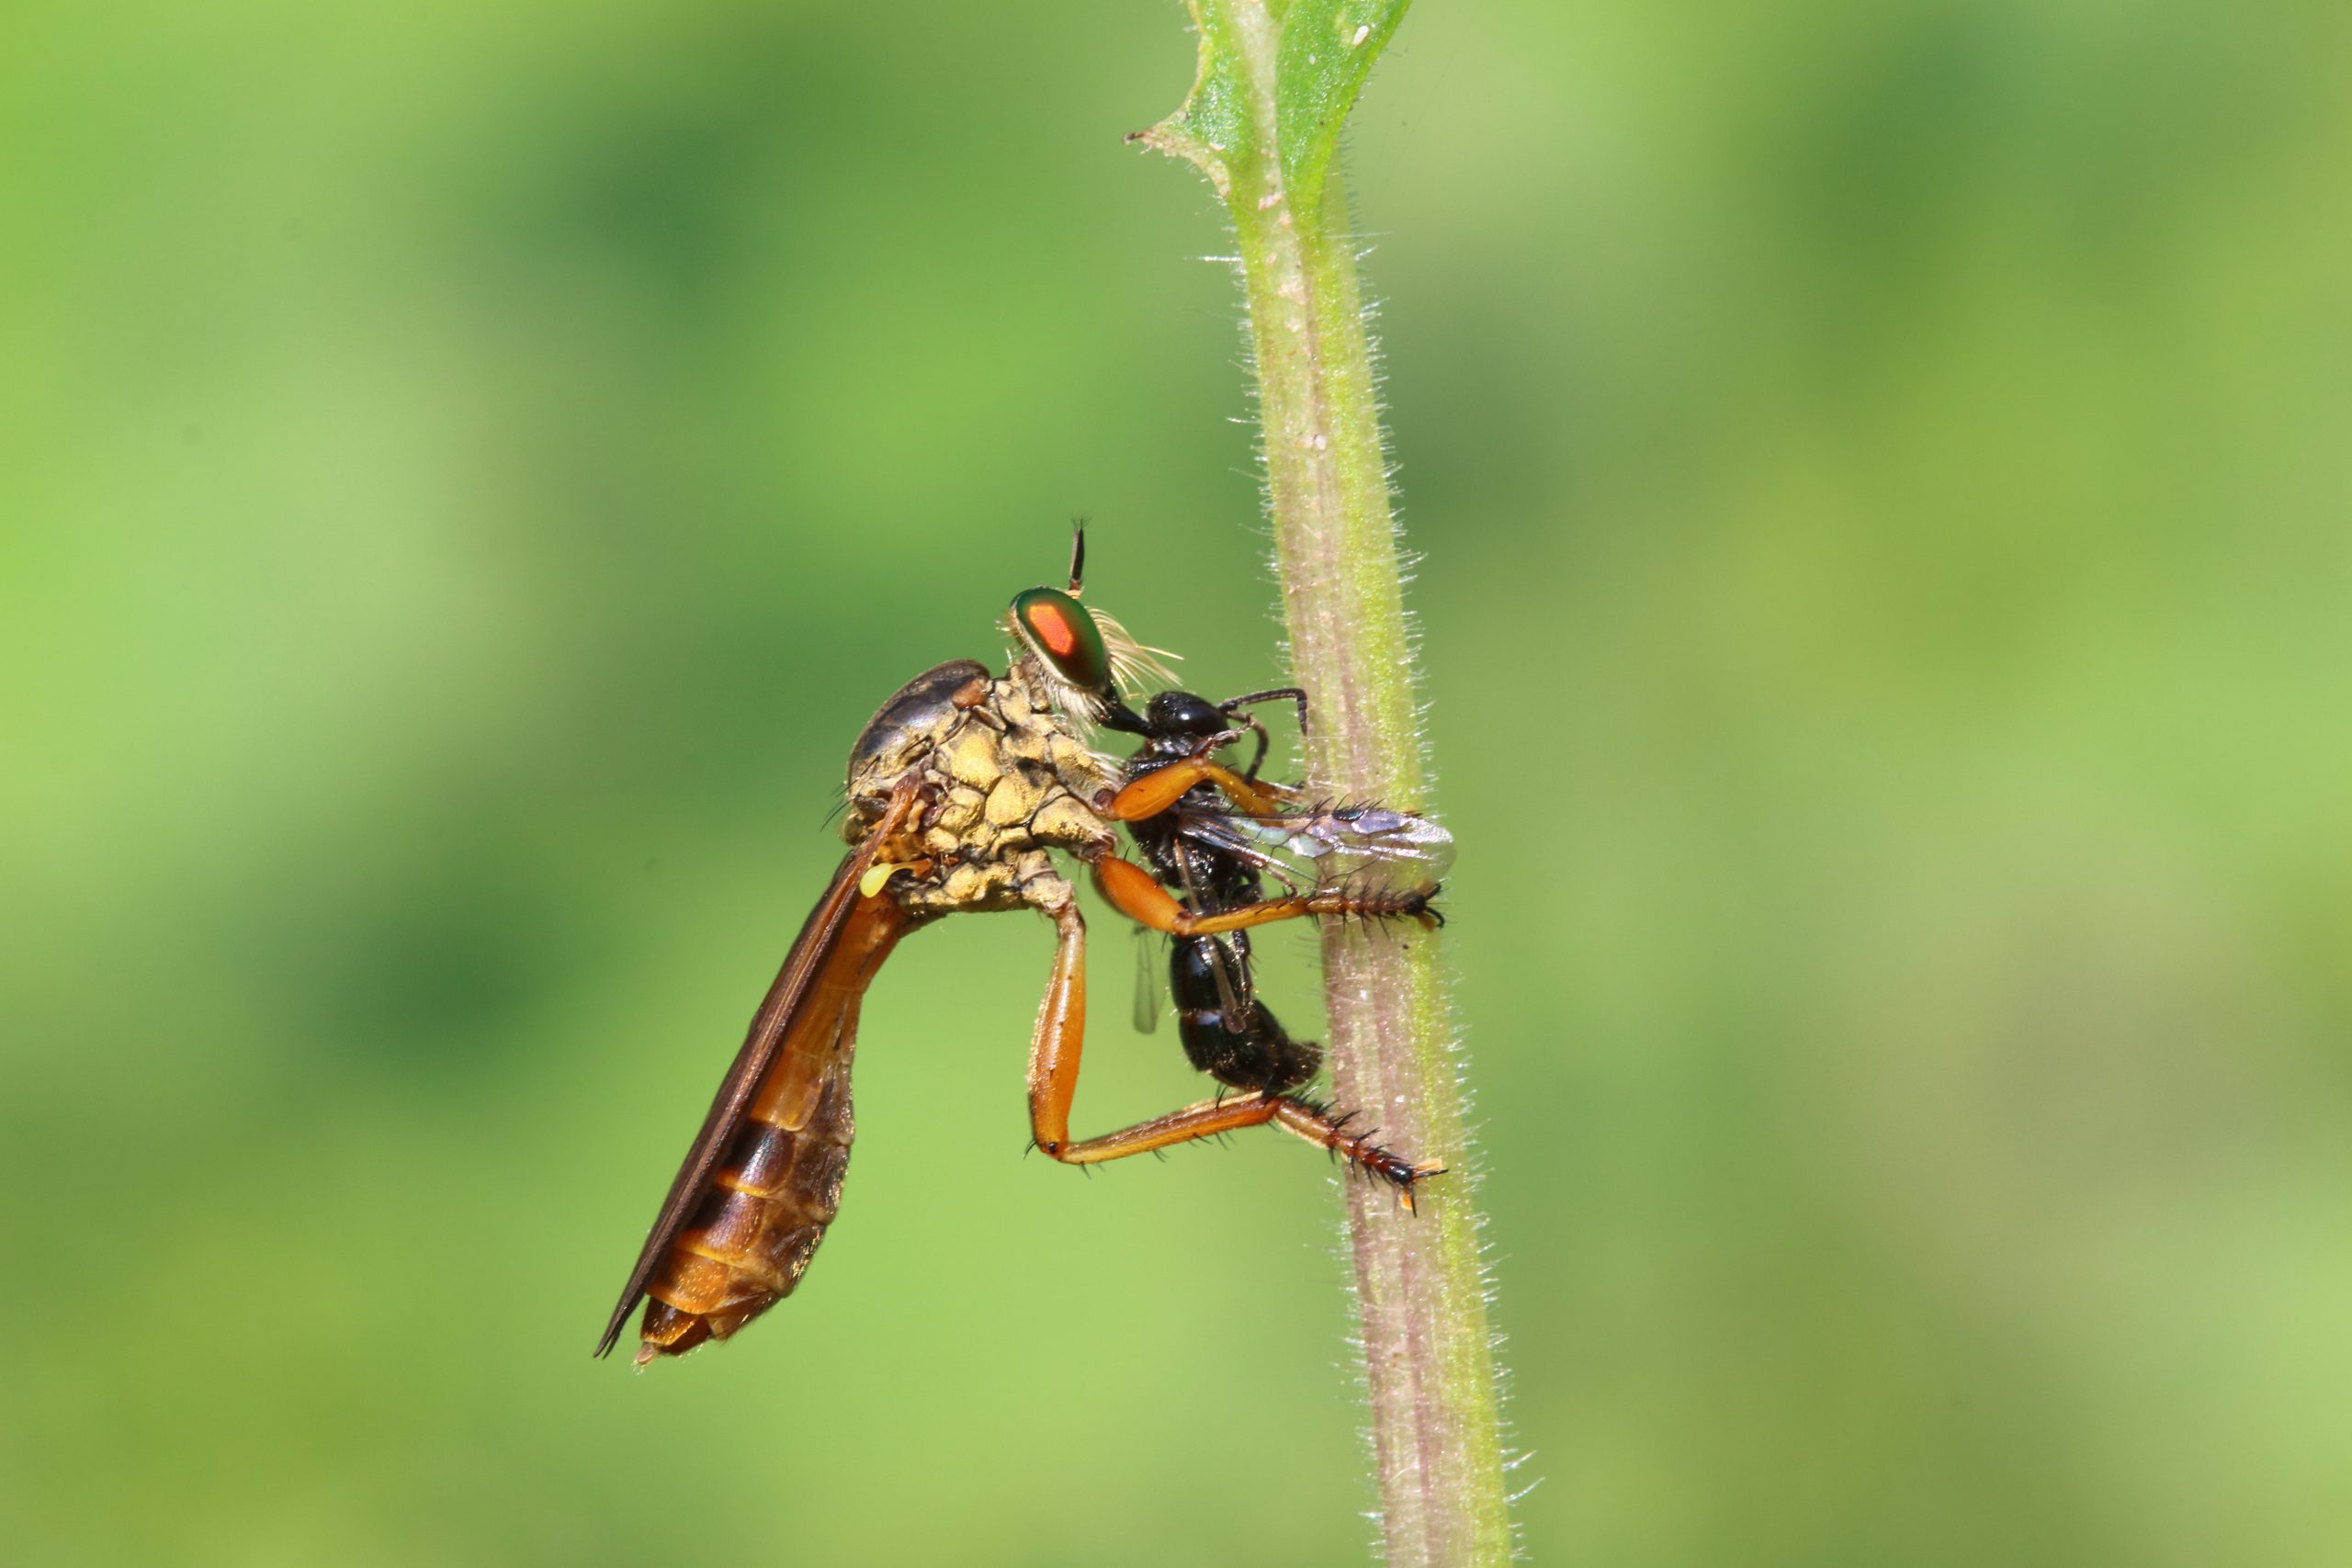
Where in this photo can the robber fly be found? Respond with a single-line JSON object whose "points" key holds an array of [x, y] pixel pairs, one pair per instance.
{"points": [[958, 788]]}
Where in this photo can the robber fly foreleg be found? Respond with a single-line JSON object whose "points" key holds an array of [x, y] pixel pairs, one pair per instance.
{"points": [[1157, 790], [1134, 892]]}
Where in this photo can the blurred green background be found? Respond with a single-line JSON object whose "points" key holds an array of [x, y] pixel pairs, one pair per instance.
{"points": [[467, 470]]}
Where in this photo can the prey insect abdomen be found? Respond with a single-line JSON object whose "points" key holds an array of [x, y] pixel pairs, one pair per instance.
{"points": [[1247, 1050]]}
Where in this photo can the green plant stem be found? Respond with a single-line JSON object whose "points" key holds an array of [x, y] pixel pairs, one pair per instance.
{"points": [[1429, 1362], [1420, 1292]]}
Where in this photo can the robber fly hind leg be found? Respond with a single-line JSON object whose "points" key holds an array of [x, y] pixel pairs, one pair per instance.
{"points": [[1059, 1045]]}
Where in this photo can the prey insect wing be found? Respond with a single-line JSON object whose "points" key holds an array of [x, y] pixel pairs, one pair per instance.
{"points": [[1391, 848], [1227, 955], [1146, 1010], [1213, 830]]}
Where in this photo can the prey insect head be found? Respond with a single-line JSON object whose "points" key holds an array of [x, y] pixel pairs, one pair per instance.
{"points": [[1182, 713]]}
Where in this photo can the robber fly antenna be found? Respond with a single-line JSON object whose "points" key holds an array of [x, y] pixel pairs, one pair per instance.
{"points": [[1077, 556]]}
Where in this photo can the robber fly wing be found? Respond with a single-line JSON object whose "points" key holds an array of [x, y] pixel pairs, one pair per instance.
{"points": [[792, 1041]]}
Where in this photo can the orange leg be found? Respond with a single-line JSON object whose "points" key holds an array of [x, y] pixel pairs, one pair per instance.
{"points": [[1134, 894], [1060, 1041], [1162, 788]]}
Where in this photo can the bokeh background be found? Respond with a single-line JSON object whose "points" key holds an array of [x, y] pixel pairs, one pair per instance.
{"points": [[467, 470]]}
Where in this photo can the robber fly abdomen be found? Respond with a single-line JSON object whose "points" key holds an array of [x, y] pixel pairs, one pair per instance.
{"points": [[750, 1236]]}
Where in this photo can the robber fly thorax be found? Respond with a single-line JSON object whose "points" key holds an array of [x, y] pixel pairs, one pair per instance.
{"points": [[998, 777]]}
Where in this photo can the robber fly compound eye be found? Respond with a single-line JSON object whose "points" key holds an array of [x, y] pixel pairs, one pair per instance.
{"points": [[1059, 631]]}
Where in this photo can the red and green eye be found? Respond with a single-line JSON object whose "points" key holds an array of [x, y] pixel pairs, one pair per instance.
{"points": [[1058, 630]]}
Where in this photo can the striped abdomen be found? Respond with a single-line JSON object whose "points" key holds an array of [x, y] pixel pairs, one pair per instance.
{"points": [[744, 1241], [751, 1237]]}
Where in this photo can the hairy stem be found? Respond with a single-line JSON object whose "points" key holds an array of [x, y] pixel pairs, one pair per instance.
{"points": [[1429, 1360], [1419, 1288]]}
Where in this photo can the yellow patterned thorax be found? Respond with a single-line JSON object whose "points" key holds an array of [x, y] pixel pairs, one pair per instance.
{"points": [[1006, 779]]}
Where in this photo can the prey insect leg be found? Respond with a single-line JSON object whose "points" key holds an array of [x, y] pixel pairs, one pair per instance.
{"points": [[1231, 707], [1284, 693], [1059, 1043]]}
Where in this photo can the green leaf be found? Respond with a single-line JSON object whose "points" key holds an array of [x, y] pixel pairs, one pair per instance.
{"points": [[1328, 49], [1279, 74]]}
